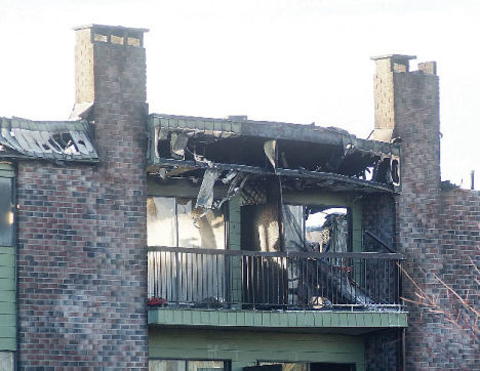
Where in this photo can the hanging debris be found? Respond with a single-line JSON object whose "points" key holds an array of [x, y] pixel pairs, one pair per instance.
{"points": [[205, 195]]}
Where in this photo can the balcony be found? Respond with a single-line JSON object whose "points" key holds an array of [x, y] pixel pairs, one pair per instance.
{"points": [[238, 288]]}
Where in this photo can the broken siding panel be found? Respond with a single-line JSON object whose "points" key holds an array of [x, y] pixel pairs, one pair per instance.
{"points": [[24, 145], [31, 138], [83, 137], [54, 140], [54, 146], [82, 144], [217, 128], [12, 142]]}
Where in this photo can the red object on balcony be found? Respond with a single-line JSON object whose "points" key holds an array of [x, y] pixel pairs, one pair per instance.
{"points": [[157, 302]]}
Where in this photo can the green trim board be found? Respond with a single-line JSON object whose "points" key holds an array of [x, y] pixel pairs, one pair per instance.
{"points": [[355, 320], [246, 348], [8, 284]]}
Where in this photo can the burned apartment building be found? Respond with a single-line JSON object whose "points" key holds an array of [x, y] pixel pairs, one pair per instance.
{"points": [[139, 240]]}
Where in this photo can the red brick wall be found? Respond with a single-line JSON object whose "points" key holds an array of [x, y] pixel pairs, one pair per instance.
{"points": [[81, 275], [382, 348], [417, 123], [436, 230], [460, 235], [82, 234]]}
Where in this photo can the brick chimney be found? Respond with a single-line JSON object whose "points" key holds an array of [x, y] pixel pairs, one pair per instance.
{"points": [[111, 74], [407, 105]]}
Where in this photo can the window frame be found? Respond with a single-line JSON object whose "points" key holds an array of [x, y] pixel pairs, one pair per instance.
{"points": [[10, 200], [223, 209]]}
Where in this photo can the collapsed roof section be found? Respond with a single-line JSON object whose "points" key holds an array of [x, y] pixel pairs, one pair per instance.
{"points": [[317, 157], [51, 140]]}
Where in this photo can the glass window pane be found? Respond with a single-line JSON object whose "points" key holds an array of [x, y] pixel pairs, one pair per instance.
{"points": [[161, 226], [6, 212], [294, 227], [209, 231], [212, 230], [188, 233]]}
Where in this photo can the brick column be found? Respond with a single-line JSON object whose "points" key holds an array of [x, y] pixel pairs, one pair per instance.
{"points": [[82, 277], [111, 69], [408, 103]]}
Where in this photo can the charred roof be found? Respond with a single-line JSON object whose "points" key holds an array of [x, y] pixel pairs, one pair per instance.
{"points": [[47, 140], [185, 144]]}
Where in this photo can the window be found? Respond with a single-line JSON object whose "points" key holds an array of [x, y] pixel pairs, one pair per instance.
{"points": [[185, 277], [322, 228], [175, 222], [187, 365], [6, 211]]}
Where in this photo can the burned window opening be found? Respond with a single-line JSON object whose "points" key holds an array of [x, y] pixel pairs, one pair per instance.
{"points": [[328, 229], [317, 228]]}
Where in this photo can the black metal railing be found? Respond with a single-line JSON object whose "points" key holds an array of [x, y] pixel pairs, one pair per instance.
{"points": [[206, 278]]}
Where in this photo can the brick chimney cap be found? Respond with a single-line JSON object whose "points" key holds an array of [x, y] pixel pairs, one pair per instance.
{"points": [[394, 57], [106, 27]]}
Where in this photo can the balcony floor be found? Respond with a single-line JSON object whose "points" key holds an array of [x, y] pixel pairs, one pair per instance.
{"points": [[338, 321]]}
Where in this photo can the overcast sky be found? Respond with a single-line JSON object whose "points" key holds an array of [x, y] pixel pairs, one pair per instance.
{"points": [[298, 61]]}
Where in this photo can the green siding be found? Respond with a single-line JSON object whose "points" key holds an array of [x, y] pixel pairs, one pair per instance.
{"points": [[8, 319], [245, 348], [357, 321], [8, 322]]}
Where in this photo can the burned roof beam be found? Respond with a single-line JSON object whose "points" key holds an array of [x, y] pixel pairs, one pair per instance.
{"points": [[335, 178], [329, 179]]}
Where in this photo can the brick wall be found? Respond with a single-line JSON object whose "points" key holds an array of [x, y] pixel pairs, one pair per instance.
{"points": [[378, 217], [460, 235], [82, 230], [383, 348], [432, 227]]}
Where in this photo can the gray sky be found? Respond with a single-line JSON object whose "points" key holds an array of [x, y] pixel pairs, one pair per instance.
{"points": [[298, 61]]}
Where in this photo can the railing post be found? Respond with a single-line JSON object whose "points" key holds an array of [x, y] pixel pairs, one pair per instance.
{"points": [[235, 261]]}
